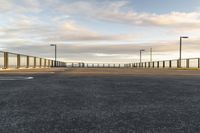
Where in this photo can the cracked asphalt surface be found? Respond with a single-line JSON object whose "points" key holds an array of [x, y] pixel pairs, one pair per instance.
{"points": [[69, 102]]}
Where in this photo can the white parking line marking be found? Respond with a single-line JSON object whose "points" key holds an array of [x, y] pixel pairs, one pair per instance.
{"points": [[15, 78]]}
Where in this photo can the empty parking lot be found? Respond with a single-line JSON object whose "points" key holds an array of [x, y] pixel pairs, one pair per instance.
{"points": [[100, 101]]}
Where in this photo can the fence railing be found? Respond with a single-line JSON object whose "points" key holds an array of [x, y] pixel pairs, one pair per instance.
{"points": [[16, 61], [10, 60], [103, 65], [177, 63], [93, 65]]}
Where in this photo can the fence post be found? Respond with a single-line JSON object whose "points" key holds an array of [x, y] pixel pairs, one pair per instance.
{"points": [[5, 60], [187, 63], [27, 62], [198, 62], [170, 64], [158, 64], [40, 62], [153, 64], [18, 61], [163, 64], [53, 63], [178, 64], [34, 62]]}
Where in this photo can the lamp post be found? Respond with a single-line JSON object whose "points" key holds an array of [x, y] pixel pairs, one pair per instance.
{"points": [[141, 56], [54, 45], [151, 51], [180, 50]]}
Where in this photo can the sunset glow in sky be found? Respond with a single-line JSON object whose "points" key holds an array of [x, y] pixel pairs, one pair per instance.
{"points": [[100, 30]]}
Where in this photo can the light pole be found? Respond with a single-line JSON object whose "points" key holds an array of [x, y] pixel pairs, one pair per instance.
{"points": [[151, 51], [54, 45], [180, 52], [141, 56]]}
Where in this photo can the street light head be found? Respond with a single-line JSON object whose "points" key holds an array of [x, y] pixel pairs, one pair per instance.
{"points": [[52, 44], [184, 37], [142, 50]]}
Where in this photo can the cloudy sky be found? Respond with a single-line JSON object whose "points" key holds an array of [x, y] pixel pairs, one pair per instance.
{"points": [[100, 30]]}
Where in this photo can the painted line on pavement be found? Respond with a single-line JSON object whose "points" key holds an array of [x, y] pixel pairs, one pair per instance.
{"points": [[12, 78]]}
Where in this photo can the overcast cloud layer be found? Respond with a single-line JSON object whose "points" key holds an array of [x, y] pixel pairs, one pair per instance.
{"points": [[97, 31]]}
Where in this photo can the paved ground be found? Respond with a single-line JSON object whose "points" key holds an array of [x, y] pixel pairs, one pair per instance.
{"points": [[100, 101]]}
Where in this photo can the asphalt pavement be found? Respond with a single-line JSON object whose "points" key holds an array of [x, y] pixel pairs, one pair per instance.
{"points": [[86, 101]]}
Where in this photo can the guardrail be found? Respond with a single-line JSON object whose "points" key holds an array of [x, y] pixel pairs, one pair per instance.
{"points": [[177, 63], [10, 60], [103, 65], [93, 65], [16, 61]]}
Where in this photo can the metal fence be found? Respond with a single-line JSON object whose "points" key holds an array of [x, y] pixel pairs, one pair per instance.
{"points": [[103, 65], [184, 63], [10, 60], [93, 65]]}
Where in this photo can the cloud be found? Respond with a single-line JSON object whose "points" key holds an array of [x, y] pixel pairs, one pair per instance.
{"points": [[118, 49], [28, 26], [35, 29], [110, 53], [20, 6], [114, 12], [5, 5], [108, 11]]}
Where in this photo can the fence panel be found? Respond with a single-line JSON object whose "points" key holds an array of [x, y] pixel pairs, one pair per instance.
{"points": [[23, 61], [193, 63], [166, 64], [1, 60], [174, 64], [160, 64], [184, 63], [31, 62], [12, 60], [151, 64], [37, 62]]}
